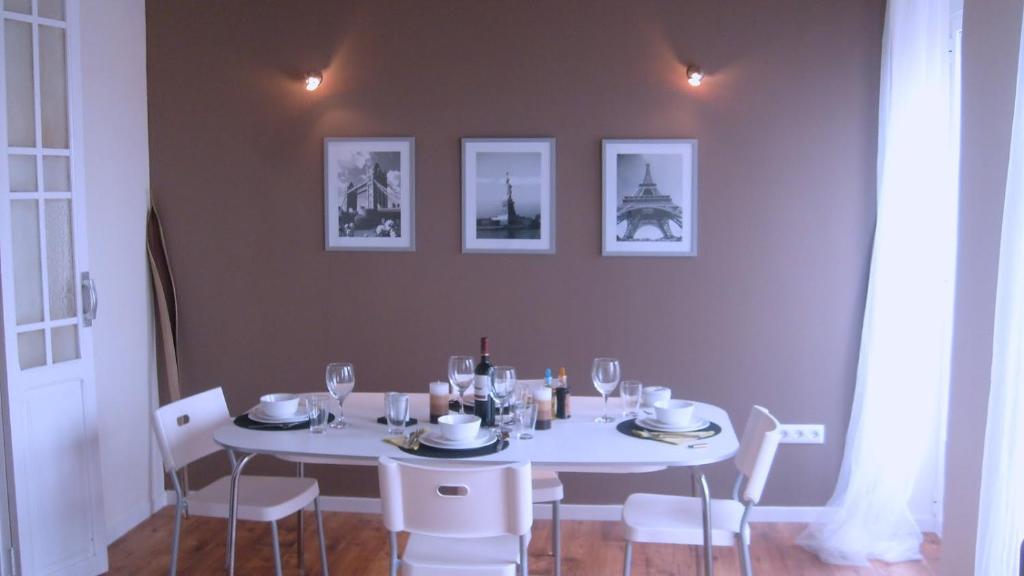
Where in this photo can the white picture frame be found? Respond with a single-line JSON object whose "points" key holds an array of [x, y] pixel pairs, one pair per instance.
{"points": [[495, 170], [356, 218], [649, 190]]}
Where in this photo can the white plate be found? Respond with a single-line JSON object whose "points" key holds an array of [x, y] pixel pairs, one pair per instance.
{"points": [[257, 415], [654, 424], [483, 438]]}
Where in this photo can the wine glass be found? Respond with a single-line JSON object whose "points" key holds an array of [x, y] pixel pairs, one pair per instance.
{"points": [[460, 373], [606, 377], [503, 384], [341, 379]]}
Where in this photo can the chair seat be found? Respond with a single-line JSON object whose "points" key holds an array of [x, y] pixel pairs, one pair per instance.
{"points": [[679, 520], [546, 486], [440, 556], [260, 498]]}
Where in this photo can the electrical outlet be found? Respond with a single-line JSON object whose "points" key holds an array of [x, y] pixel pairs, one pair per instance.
{"points": [[802, 433]]}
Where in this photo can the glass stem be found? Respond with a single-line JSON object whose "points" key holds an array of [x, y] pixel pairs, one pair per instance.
{"points": [[605, 411]]}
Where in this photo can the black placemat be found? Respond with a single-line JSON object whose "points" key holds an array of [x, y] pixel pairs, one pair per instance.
{"points": [[409, 422], [245, 422], [434, 452], [627, 427]]}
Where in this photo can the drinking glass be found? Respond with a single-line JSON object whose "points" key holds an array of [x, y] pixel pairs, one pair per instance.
{"points": [[341, 379], [606, 377], [630, 393], [397, 405], [461, 372], [527, 412], [523, 394], [318, 414], [503, 384]]}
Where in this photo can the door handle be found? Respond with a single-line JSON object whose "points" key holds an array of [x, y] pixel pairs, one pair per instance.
{"points": [[92, 300]]}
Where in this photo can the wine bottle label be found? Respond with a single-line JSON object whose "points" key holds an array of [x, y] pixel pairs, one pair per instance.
{"points": [[481, 387]]}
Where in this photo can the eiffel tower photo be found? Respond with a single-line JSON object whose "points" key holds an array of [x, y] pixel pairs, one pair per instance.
{"points": [[649, 207]]}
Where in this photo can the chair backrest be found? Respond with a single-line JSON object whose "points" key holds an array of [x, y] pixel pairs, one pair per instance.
{"points": [[456, 500], [757, 452], [184, 429]]}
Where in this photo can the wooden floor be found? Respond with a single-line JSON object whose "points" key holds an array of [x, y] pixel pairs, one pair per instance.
{"points": [[357, 544]]}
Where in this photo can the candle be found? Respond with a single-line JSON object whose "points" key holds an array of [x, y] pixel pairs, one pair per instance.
{"points": [[542, 398], [440, 393], [652, 394]]}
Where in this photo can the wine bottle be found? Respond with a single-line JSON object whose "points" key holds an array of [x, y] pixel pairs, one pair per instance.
{"points": [[483, 404]]}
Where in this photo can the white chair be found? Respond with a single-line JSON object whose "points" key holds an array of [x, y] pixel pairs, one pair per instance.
{"points": [[679, 519], [547, 487], [184, 430], [462, 520]]}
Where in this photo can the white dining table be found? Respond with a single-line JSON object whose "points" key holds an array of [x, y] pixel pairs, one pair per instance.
{"points": [[577, 444]]}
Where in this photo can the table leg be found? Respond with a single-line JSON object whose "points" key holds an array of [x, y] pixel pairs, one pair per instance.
{"points": [[705, 496], [236, 473], [301, 525]]}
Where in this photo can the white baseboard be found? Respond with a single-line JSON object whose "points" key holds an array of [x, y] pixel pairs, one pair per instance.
{"points": [[350, 504], [801, 514], [602, 512]]}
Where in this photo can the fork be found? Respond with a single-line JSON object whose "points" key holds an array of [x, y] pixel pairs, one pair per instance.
{"points": [[648, 436]]}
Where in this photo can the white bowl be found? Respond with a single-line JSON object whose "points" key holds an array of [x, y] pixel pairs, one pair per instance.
{"points": [[279, 405], [459, 426], [674, 412]]}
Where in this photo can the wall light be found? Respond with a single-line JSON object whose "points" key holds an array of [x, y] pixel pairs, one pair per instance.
{"points": [[694, 75], [313, 80]]}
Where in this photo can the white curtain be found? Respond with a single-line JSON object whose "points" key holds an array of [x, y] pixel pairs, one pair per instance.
{"points": [[902, 375], [1001, 515]]}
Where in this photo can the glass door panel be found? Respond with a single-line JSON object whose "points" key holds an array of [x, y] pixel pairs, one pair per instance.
{"points": [[18, 63], [31, 349], [21, 6], [56, 174], [53, 87], [60, 260], [53, 9], [65, 343], [22, 173], [28, 276]]}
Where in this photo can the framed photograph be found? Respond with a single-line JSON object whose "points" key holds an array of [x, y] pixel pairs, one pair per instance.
{"points": [[369, 194], [508, 195], [650, 198]]}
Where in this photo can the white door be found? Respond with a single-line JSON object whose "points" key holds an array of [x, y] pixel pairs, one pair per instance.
{"points": [[54, 474]]}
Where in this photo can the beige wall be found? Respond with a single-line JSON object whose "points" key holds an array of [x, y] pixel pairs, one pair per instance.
{"points": [[990, 46], [768, 313]]}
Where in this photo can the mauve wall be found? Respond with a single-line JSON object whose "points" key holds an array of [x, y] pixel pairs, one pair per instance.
{"points": [[768, 313]]}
